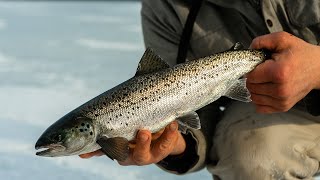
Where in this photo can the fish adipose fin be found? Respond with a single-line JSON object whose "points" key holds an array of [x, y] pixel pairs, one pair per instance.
{"points": [[238, 91], [190, 120], [236, 47], [115, 148], [150, 62]]}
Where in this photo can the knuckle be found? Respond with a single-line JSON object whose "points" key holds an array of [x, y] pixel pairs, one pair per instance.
{"points": [[255, 42], [283, 92], [140, 159], [284, 106], [282, 74], [282, 36], [164, 145]]}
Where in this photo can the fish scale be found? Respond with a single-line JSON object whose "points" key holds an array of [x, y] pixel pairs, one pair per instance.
{"points": [[154, 97]]}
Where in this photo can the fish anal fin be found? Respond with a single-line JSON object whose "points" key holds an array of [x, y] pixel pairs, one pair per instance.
{"points": [[238, 91], [115, 148], [150, 62], [189, 120]]}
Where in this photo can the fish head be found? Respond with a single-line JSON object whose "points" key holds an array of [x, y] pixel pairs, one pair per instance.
{"points": [[67, 136]]}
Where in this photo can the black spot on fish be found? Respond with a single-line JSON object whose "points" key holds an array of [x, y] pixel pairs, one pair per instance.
{"points": [[77, 127], [96, 115], [82, 124], [91, 133], [104, 103], [81, 130], [86, 129], [120, 115], [119, 105], [88, 126], [126, 124]]}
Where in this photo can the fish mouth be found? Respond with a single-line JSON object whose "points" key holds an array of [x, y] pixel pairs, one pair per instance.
{"points": [[50, 150]]}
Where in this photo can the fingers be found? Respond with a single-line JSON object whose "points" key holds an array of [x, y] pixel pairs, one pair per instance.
{"points": [[268, 89], [91, 154], [164, 146], [274, 41], [157, 134], [262, 73], [147, 151], [141, 152], [266, 109], [267, 104]]}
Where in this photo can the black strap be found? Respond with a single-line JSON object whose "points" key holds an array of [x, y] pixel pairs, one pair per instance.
{"points": [[187, 31]]}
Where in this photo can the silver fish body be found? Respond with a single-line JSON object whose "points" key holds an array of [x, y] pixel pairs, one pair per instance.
{"points": [[154, 97]]}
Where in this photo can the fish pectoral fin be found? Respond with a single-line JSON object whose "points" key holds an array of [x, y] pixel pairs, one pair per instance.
{"points": [[150, 62], [182, 128], [236, 47], [115, 148], [238, 91], [190, 120]]}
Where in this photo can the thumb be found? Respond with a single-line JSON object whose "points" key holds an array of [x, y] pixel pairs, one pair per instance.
{"points": [[274, 41]]}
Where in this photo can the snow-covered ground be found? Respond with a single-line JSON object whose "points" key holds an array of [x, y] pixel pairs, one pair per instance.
{"points": [[54, 56]]}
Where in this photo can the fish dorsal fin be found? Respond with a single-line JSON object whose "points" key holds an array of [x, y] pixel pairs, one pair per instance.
{"points": [[236, 47], [150, 62], [190, 120], [238, 91], [115, 148]]}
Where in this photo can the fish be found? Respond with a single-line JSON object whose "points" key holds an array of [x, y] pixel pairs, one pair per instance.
{"points": [[157, 95]]}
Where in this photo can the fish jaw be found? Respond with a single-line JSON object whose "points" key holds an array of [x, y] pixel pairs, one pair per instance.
{"points": [[51, 150]]}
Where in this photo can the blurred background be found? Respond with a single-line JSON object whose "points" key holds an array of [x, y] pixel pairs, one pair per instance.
{"points": [[54, 56]]}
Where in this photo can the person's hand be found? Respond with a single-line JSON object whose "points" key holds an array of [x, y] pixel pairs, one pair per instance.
{"points": [[292, 72], [151, 148]]}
